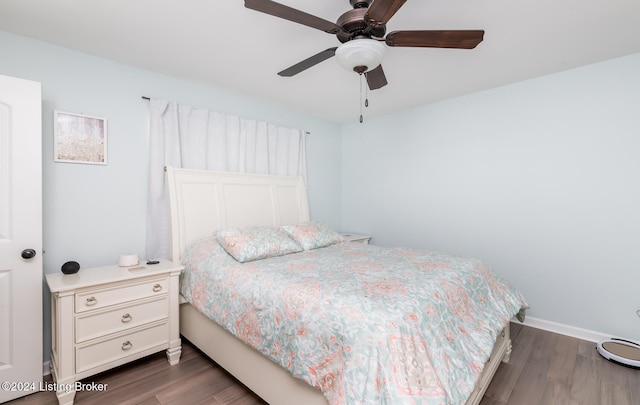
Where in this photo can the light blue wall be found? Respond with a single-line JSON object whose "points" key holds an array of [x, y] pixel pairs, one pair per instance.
{"points": [[93, 214], [541, 179]]}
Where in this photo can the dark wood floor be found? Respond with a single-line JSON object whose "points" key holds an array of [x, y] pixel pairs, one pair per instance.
{"points": [[545, 368]]}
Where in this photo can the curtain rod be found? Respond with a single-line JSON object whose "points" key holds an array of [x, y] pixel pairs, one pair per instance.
{"points": [[147, 98]]}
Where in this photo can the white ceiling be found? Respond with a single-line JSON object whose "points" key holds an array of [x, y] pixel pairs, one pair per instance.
{"points": [[222, 44]]}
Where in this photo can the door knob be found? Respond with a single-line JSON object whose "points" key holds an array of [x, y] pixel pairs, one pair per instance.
{"points": [[28, 254]]}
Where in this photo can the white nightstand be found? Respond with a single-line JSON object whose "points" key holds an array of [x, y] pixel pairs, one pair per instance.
{"points": [[107, 316], [352, 237]]}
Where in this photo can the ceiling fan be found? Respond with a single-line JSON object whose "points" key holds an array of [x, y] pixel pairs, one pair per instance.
{"points": [[362, 33]]}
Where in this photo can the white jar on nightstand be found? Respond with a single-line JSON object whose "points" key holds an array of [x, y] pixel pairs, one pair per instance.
{"points": [[108, 316], [352, 237]]}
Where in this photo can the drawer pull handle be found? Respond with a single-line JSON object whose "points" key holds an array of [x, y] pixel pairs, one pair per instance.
{"points": [[91, 301], [126, 318], [127, 345], [157, 288]]}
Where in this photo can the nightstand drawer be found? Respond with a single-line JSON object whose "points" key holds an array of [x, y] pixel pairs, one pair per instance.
{"points": [[94, 299], [88, 357], [92, 325]]}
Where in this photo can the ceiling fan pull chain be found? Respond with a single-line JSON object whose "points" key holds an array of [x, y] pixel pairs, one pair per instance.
{"points": [[366, 96], [361, 119]]}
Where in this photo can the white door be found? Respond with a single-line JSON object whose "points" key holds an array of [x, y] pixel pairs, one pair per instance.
{"points": [[20, 237]]}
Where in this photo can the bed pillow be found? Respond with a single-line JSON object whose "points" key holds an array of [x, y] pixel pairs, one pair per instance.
{"points": [[313, 235], [256, 242]]}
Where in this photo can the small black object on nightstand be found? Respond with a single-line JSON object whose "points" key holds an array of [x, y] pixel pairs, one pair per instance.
{"points": [[70, 267]]}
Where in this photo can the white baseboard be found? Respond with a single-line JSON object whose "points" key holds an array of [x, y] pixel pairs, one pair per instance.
{"points": [[568, 330]]}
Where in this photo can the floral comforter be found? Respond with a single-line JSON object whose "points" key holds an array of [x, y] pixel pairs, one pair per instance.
{"points": [[364, 324]]}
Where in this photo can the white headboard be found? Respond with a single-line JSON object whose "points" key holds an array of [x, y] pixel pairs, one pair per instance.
{"points": [[204, 201]]}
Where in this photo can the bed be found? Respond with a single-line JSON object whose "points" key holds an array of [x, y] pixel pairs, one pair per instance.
{"points": [[203, 202]]}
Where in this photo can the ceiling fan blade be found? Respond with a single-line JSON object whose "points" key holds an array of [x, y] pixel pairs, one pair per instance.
{"points": [[381, 11], [464, 39], [307, 63], [376, 78], [291, 14]]}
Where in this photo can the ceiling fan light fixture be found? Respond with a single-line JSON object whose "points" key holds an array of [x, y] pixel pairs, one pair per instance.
{"points": [[360, 55]]}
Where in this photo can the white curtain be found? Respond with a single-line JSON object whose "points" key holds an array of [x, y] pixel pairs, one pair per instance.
{"points": [[183, 136]]}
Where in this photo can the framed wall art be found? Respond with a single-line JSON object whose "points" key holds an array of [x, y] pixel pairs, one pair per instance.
{"points": [[79, 138]]}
